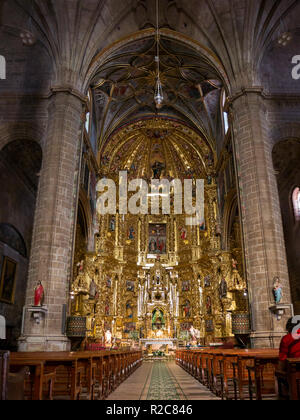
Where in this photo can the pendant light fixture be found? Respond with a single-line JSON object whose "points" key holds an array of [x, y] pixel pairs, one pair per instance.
{"points": [[158, 96]]}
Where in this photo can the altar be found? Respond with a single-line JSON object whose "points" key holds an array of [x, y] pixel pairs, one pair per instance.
{"points": [[157, 343]]}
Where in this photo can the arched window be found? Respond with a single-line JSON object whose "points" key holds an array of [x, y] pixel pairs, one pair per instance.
{"points": [[224, 112], [88, 113], [296, 203]]}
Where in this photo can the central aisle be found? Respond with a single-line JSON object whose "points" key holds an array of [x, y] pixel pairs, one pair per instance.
{"points": [[161, 381]]}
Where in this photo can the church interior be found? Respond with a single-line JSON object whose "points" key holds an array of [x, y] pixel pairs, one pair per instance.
{"points": [[149, 91]]}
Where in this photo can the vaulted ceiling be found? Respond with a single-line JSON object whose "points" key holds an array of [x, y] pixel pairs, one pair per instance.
{"points": [[124, 86], [80, 43], [73, 32]]}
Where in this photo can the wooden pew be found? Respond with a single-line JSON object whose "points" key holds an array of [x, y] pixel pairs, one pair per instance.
{"points": [[288, 381], [232, 374], [77, 375], [294, 378], [40, 383], [4, 368], [261, 376], [228, 387], [245, 361]]}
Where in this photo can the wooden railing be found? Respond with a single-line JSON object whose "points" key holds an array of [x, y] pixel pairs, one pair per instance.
{"points": [[239, 374], [74, 375]]}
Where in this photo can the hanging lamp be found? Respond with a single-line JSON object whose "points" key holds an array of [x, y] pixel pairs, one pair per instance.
{"points": [[158, 96]]}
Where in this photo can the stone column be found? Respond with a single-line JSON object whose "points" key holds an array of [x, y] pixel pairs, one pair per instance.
{"points": [[265, 255], [54, 224]]}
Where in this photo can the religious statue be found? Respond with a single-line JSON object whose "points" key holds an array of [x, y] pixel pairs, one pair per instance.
{"points": [[129, 311], [108, 282], [131, 233], [185, 286], [157, 168], [112, 224], [130, 286], [80, 267], [157, 319], [183, 233], [223, 289], [108, 337], [234, 264], [187, 309], [195, 334], [208, 305], [93, 290], [39, 294], [277, 290], [157, 277], [207, 281]]}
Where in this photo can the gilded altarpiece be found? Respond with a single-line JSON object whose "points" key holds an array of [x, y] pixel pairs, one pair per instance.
{"points": [[151, 275]]}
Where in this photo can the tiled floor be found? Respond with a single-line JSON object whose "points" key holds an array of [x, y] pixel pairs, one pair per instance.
{"points": [[161, 381]]}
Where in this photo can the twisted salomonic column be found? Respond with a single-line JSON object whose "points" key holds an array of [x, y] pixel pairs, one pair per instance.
{"points": [[265, 254], [54, 224]]}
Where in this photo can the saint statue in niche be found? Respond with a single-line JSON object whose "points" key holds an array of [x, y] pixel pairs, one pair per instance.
{"points": [[108, 282], [130, 286], [185, 286], [131, 233], [157, 169], [234, 264], [208, 305], [80, 267], [112, 224], [93, 290], [187, 309], [157, 277], [129, 310], [207, 281], [223, 289], [157, 319], [183, 234]]}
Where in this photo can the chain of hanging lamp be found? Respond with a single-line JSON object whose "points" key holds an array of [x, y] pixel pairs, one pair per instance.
{"points": [[158, 96]]}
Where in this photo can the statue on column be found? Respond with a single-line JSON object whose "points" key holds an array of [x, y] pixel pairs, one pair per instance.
{"points": [[39, 294], [277, 290]]}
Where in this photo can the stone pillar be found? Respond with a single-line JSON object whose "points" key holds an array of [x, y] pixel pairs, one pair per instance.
{"points": [[265, 255], [54, 224]]}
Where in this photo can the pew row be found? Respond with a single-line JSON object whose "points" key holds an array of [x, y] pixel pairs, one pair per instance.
{"points": [[74, 375], [233, 374]]}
